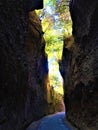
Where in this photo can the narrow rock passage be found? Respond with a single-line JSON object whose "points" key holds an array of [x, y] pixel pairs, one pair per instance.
{"points": [[52, 122]]}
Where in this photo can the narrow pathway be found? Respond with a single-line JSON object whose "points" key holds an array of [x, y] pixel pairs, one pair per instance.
{"points": [[52, 122]]}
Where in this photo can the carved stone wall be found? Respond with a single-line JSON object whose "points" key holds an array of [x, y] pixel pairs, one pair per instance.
{"points": [[23, 65], [80, 66]]}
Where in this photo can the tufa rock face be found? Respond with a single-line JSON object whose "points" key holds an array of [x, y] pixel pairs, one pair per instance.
{"points": [[37, 69], [23, 66], [80, 66], [34, 4]]}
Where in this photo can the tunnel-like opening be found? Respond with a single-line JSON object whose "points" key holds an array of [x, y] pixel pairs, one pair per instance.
{"points": [[57, 26], [24, 67]]}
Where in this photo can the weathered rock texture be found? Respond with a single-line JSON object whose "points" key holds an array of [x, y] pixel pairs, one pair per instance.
{"points": [[80, 66], [37, 69], [23, 65]]}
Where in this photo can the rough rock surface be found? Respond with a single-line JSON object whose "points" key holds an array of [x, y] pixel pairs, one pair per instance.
{"points": [[23, 65], [80, 66], [38, 69]]}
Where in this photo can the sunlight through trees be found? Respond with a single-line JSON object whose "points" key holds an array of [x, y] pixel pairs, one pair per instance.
{"points": [[56, 23]]}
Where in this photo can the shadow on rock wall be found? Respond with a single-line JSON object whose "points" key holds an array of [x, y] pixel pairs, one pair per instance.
{"points": [[81, 79], [23, 65]]}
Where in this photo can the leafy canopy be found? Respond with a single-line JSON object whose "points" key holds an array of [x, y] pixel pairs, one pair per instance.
{"points": [[57, 24]]}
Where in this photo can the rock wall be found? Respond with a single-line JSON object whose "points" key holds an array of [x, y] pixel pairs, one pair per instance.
{"points": [[80, 66], [23, 65], [37, 69]]}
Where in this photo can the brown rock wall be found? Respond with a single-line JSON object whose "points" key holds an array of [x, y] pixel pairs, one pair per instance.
{"points": [[23, 65], [81, 79]]}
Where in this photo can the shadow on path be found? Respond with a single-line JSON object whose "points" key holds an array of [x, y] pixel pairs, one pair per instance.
{"points": [[52, 122]]}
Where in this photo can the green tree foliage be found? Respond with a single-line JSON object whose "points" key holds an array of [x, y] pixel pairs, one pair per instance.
{"points": [[56, 23]]}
